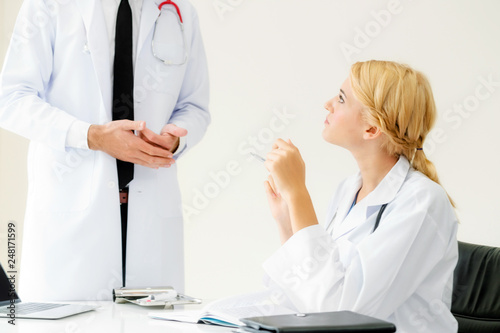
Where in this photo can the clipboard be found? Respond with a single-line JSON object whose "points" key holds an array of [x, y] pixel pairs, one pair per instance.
{"points": [[152, 296]]}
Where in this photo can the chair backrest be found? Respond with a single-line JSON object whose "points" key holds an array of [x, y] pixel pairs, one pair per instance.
{"points": [[476, 289]]}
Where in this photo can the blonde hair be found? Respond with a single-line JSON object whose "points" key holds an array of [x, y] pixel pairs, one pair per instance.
{"points": [[399, 101]]}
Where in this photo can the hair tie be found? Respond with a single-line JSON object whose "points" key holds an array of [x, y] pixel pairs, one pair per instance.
{"points": [[420, 148]]}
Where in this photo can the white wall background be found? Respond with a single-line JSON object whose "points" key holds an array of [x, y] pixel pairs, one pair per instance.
{"points": [[269, 57]]}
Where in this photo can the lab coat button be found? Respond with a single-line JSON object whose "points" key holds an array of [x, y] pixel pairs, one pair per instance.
{"points": [[86, 49]]}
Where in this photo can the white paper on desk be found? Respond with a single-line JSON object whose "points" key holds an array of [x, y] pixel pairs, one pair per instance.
{"points": [[228, 311], [188, 316]]}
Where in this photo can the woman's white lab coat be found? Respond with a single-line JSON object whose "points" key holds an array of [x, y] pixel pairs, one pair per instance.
{"points": [[402, 272], [58, 70]]}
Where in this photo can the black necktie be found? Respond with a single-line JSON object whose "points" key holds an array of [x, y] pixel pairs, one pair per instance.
{"points": [[123, 104], [123, 85]]}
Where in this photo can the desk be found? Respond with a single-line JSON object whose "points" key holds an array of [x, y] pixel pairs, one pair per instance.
{"points": [[109, 318]]}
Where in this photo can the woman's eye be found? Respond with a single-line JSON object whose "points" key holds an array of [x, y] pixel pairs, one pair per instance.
{"points": [[341, 99]]}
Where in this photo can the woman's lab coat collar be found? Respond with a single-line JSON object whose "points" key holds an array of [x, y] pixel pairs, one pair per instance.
{"points": [[390, 185], [384, 193]]}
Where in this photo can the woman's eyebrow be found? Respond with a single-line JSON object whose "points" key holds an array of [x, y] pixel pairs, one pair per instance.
{"points": [[343, 93]]}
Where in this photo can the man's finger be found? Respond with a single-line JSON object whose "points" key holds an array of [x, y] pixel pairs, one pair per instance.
{"points": [[174, 130], [154, 138], [153, 150], [143, 163], [130, 125], [152, 162], [161, 141]]}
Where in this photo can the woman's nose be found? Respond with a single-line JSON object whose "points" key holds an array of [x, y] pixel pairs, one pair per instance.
{"points": [[329, 105]]}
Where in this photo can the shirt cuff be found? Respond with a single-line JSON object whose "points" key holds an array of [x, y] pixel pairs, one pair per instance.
{"points": [[181, 147], [77, 135]]}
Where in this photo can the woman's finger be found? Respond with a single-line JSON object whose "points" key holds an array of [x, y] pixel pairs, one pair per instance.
{"points": [[273, 155], [270, 179], [269, 189], [280, 144]]}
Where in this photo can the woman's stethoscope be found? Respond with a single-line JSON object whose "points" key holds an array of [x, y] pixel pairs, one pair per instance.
{"points": [[377, 220], [181, 25]]}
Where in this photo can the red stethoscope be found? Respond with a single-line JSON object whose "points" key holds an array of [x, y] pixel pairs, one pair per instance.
{"points": [[165, 60], [170, 2]]}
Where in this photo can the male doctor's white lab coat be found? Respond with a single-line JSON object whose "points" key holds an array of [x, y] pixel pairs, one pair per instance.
{"points": [[58, 70], [402, 272]]}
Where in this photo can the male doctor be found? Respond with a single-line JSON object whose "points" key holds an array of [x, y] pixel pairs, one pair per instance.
{"points": [[110, 93]]}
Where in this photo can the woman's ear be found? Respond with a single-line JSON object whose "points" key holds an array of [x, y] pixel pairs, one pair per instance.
{"points": [[372, 133]]}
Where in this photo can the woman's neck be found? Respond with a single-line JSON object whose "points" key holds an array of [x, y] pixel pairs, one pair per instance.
{"points": [[373, 166]]}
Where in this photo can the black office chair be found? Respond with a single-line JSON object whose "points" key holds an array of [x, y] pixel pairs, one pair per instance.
{"points": [[476, 289]]}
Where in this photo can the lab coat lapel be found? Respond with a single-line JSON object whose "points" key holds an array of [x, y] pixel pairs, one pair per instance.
{"points": [[341, 222], [388, 187], [149, 14], [355, 217], [98, 46], [383, 193]]}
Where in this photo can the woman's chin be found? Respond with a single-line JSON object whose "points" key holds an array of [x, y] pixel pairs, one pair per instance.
{"points": [[327, 136]]}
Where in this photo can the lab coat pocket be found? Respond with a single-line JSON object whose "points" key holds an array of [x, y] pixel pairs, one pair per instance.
{"points": [[169, 44], [168, 196], [62, 180]]}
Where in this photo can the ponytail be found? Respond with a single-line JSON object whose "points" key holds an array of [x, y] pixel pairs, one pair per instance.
{"points": [[422, 164]]}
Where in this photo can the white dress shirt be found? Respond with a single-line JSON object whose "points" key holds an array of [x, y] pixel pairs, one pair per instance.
{"points": [[77, 134], [110, 9]]}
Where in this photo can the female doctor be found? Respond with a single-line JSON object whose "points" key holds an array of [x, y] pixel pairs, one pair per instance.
{"points": [[400, 268]]}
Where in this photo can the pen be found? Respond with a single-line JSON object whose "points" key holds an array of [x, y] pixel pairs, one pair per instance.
{"points": [[258, 157]]}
